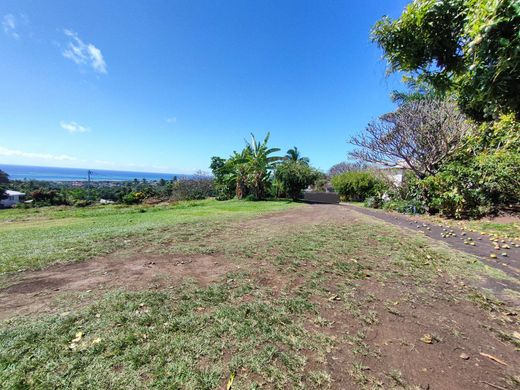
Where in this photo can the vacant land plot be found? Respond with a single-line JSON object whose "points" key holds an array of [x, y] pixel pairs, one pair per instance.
{"points": [[268, 295]]}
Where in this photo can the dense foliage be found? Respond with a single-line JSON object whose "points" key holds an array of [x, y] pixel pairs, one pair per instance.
{"points": [[245, 174], [482, 177], [345, 166], [45, 193], [255, 173], [293, 176], [4, 179], [358, 185], [468, 48], [420, 134], [466, 52]]}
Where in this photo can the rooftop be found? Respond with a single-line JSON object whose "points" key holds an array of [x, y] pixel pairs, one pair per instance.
{"points": [[14, 193]]}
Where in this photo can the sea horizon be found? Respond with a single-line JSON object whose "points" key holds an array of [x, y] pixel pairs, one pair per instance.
{"points": [[59, 174]]}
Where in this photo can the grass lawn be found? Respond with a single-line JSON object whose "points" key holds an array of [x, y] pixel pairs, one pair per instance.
{"points": [[319, 297], [35, 238], [500, 229]]}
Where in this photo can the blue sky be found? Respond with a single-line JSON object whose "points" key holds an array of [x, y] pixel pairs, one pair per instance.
{"points": [[162, 86]]}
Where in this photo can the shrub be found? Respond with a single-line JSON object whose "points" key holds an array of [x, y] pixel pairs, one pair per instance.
{"points": [[192, 189], [484, 184], [133, 198], [357, 186], [374, 202], [82, 203], [294, 176], [404, 206], [483, 177], [45, 197]]}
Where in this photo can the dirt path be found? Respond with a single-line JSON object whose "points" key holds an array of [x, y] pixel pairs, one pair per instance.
{"points": [[482, 247]]}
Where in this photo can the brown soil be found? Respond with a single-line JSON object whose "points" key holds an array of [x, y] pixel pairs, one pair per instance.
{"points": [[395, 344], [504, 219], [392, 353], [36, 291]]}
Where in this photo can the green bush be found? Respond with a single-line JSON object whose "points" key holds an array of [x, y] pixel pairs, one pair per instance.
{"points": [[357, 186], [481, 178], [294, 176], [192, 189], [482, 185], [82, 203], [48, 197], [133, 198], [404, 206], [374, 202]]}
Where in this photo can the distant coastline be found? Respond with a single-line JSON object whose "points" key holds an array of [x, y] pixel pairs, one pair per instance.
{"points": [[56, 174]]}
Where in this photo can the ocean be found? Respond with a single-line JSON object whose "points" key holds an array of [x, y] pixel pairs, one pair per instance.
{"points": [[25, 172]]}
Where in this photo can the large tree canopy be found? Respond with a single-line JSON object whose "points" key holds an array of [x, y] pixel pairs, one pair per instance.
{"points": [[421, 133], [467, 48]]}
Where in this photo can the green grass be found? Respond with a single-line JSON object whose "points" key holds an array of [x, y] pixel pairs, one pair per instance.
{"points": [[511, 229], [269, 324], [35, 238], [188, 338]]}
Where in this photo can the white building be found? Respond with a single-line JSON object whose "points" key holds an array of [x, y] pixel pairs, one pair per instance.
{"points": [[12, 198], [396, 173]]}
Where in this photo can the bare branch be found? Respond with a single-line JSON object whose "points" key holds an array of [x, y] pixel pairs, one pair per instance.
{"points": [[421, 133]]}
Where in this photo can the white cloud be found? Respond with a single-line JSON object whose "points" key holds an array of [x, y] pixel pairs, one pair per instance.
{"points": [[9, 25], [73, 127], [172, 119], [40, 156], [84, 54]]}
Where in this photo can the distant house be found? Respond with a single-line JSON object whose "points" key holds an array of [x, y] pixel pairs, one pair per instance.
{"points": [[396, 172], [12, 198]]}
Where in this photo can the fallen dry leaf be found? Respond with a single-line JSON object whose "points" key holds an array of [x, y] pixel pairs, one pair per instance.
{"points": [[78, 337]]}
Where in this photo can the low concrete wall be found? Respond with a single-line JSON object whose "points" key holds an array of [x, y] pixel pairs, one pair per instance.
{"points": [[321, 197]]}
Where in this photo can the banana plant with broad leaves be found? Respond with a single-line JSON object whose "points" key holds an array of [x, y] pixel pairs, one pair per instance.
{"points": [[260, 164]]}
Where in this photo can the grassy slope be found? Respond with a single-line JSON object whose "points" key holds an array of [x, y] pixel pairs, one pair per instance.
{"points": [[270, 333], [38, 237]]}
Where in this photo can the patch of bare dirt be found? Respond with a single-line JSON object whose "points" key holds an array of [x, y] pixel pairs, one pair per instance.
{"points": [[35, 291], [310, 214], [507, 218], [388, 344]]}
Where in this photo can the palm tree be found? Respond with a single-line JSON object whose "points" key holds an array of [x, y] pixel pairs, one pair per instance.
{"points": [[295, 155], [260, 163]]}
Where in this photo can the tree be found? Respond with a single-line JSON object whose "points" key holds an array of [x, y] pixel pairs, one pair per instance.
{"points": [[294, 155], [358, 185], [238, 172], [230, 175], [259, 165], [345, 166], [4, 179], [466, 48], [422, 134], [294, 176]]}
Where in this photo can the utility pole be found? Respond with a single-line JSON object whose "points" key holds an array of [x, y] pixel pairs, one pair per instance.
{"points": [[89, 173]]}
